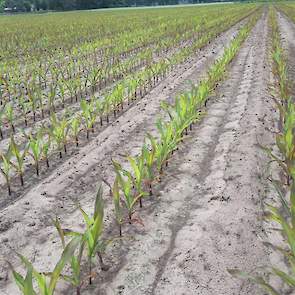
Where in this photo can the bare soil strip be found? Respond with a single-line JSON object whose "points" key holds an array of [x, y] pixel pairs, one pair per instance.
{"points": [[203, 217]]}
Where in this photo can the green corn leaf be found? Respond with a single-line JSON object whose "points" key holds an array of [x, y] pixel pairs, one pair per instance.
{"points": [[60, 231], [89, 221], [20, 281], [285, 277], [65, 258], [256, 279], [99, 204], [28, 283], [135, 168], [41, 280]]}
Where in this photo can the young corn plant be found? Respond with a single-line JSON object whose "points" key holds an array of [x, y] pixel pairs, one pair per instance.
{"points": [[117, 98], [76, 128], [115, 193], [51, 96], [95, 76], [45, 286], [25, 284], [9, 112], [46, 144], [100, 110], [89, 115], [32, 101], [285, 141], [35, 150], [131, 89], [24, 107], [75, 279], [166, 145], [138, 175], [92, 236], [40, 97], [107, 107], [71, 88], [149, 160], [126, 184], [160, 153], [62, 92], [2, 115], [19, 156], [5, 169], [285, 218], [59, 132]]}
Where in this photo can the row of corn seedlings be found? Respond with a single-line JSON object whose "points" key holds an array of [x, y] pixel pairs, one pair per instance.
{"points": [[46, 141], [287, 8], [283, 213], [129, 187], [25, 96], [78, 64], [34, 104]]}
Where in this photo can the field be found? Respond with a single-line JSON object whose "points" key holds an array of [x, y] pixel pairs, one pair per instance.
{"points": [[148, 151]]}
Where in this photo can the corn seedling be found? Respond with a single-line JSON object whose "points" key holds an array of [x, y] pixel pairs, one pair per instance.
{"points": [[24, 107], [19, 155], [125, 184], [35, 150], [149, 159], [46, 143], [51, 99], [59, 131], [99, 106], [75, 128], [75, 279], [5, 168], [9, 112], [2, 114], [166, 145], [45, 287], [115, 193], [89, 116], [95, 245], [138, 175], [32, 102]]}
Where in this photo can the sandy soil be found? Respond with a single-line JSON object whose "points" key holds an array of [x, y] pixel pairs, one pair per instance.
{"points": [[203, 217]]}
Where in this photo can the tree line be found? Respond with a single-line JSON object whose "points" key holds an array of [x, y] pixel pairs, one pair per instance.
{"points": [[62, 5]]}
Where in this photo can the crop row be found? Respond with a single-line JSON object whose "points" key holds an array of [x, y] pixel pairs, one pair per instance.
{"points": [[42, 89], [130, 186], [153, 37], [54, 136], [288, 9], [48, 35], [282, 212]]}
